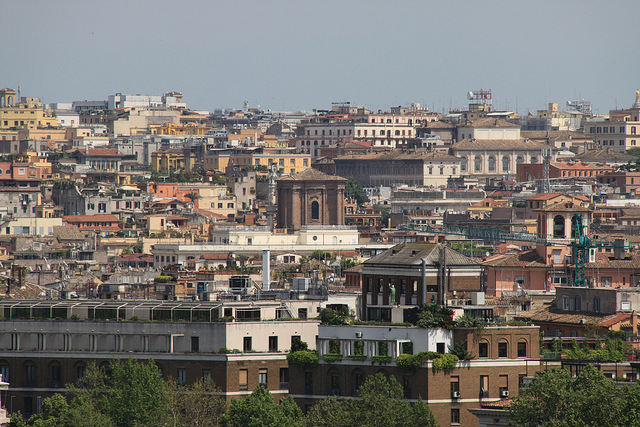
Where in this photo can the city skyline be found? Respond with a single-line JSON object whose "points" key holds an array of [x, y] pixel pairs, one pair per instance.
{"points": [[288, 56]]}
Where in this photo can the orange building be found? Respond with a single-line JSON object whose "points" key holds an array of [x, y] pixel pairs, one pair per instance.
{"points": [[529, 172]]}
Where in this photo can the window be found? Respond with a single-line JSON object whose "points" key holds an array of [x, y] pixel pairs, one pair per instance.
{"points": [[577, 303], [522, 349], [463, 164], [195, 344], [483, 349], [440, 348], [315, 210], [565, 302], [492, 164], [308, 383], [56, 380], [596, 305], [335, 384], [182, 376], [243, 379], [505, 164], [502, 349], [262, 377], [284, 378], [477, 164], [503, 383], [28, 405], [455, 385], [30, 373], [484, 385], [246, 344], [273, 344], [4, 371], [455, 416], [558, 226]]}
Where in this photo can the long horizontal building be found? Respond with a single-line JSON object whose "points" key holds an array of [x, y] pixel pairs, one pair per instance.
{"points": [[40, 354], [399, 168], [503, 358]]}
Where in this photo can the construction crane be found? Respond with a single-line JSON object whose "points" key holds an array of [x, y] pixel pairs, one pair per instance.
{"points": [[583, 246]]}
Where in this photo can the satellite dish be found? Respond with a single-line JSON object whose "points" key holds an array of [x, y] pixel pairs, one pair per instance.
{"points": [[469, 95]]}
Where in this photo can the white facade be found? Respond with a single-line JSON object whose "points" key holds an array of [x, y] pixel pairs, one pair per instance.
{"points": [[32, 226], [68, 119], [422, 339], [136, 101], [469, 132], [163, 337]]}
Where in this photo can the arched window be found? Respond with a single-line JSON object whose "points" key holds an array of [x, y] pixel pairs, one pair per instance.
{"points": [[534, 160], [315, 210], [596, 305], [558, 226], [56, 374], [477, 164], [463, 164], [503, 349], [357, 378], [505, 164], [492, 164], [577, 303], [522, 348], [519, 160]]}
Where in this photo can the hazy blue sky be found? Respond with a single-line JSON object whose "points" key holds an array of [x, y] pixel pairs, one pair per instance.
{"points": [[290, 55]]}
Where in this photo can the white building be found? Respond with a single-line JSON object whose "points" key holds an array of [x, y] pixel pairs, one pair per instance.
{"points": [[171, 99]]}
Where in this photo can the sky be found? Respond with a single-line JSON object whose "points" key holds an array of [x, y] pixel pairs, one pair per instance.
{"points": [[303, 55]]}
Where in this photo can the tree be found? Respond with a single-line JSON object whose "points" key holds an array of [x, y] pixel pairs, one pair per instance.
{"points": [[259, 410], [382, 404], [329, 316], [131, 393], [556, 399], [354, 191], [197, 405], [56, 412], [435, 316]]}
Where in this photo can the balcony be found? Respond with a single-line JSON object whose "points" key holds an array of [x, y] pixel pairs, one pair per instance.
{"points": [[333, 392]]}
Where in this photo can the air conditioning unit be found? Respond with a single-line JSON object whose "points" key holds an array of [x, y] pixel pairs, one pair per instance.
{"points": [[455, 394], [504, 393], [358, 334]]}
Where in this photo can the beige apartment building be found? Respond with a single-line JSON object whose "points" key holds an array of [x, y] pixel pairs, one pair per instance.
{"points": [[382, 130], [286, 160], [25, 111], [619, 132]]}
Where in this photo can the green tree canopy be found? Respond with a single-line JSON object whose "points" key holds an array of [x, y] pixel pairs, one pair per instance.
{"points": [[259, 410], [556, 399], [382, 404], [354, 191]]}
